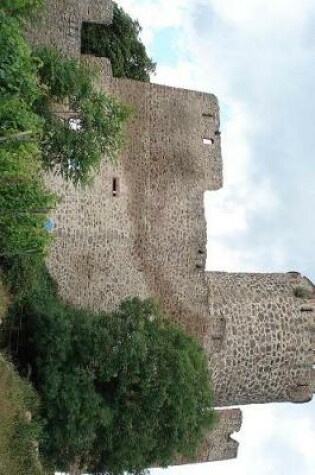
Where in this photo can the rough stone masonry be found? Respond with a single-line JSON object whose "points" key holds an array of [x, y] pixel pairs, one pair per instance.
{"points": [[140, 230]]}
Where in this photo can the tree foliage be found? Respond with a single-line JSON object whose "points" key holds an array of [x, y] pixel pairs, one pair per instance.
{"points": [[121, 43], [32, 138], [18, 433], [121, 391], [17, 70], [75, 147], [21, 8], [24, 202]]}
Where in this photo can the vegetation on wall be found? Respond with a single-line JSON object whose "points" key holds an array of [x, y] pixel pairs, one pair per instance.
{"points": [[120, 391], [105, 381], [301, 292], [24, 202], [75, 145], [21, 8], [32, 138], [120, 43]]}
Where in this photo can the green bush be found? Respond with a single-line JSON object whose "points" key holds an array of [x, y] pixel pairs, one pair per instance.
{"points": [[21, 8], [17, 69], [120, 392], [18, 434], [120, 43], [24, 202], [76, 151], [301, 292], [4, 301]]}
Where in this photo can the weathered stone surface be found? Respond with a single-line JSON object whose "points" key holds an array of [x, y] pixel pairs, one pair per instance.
{"points": [[140, 230], [266, 347]]}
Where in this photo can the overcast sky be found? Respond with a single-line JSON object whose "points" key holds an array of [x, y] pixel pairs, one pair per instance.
{"points": [[258, 57]]}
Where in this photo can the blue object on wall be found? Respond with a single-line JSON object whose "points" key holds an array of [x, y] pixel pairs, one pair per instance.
{"points": [[49, 225]]}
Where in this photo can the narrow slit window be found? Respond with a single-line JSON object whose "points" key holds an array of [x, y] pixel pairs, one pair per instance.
{"points": [[208, 141], [208, 114], [115, 189]]}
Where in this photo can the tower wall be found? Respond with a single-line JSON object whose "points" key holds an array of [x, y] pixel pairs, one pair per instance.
{"points": [[150, 238], [60, 21], [261, 345]]}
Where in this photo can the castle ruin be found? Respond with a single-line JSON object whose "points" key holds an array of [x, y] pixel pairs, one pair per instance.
{"points": [[140, 230]]}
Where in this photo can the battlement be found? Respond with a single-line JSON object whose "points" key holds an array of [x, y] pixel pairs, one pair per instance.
{"points": [[218, 444]]}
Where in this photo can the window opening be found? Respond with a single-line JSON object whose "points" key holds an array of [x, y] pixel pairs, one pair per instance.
{"points": [[75, 124], [89, 31], [115, 187], [208, 141]]}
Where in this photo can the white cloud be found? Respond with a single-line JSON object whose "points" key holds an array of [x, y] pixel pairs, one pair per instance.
{"points": [[156, 14]]}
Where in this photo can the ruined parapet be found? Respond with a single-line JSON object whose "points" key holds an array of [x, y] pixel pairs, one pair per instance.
{"points": [[60, 23], [261, 344], [218, 444]]}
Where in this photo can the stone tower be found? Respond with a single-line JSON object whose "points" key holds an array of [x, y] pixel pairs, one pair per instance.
{"points": [[140, 230]]}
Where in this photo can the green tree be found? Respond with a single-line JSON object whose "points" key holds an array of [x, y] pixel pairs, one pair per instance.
{"points": [[22, 8], [24, 202], [91, 129], [119, 42], [120, 391]]}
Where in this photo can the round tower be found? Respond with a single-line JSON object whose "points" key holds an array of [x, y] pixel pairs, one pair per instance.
{"points": [[261, 344]]}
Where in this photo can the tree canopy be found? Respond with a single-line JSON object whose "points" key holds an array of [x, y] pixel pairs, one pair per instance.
{"points": [[34, 138], [93, 129], [120, 42], [121, 391]]}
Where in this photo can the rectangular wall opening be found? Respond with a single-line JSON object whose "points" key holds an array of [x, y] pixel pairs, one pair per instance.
{"points": [[115, 187], [208, 141], [92, 38]]}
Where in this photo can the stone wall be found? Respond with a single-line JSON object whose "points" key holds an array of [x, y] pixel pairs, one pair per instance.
{"points": [[140, 230], [150, 238], [60, 22], [261, 344]]}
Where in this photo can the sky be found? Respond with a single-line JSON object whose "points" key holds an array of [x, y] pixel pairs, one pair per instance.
{"points": [[258, 58]]}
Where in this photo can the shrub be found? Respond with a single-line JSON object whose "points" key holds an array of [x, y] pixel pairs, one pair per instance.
{"points": [[24, 202], [21, 8], [301, 292], [18, 434], [4, 301], [17, 69], [76, 148], [120, 392], [121, 43]]}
